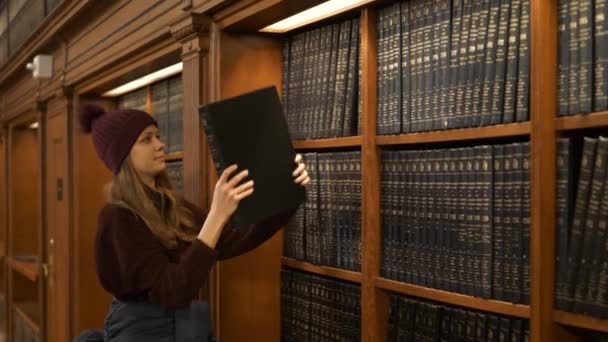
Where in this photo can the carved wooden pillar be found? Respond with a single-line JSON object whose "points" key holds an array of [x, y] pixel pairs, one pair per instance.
{"points": [[194, 35]]}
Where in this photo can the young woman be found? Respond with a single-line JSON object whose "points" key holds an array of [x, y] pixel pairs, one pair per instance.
{"points": [[154, 250]]}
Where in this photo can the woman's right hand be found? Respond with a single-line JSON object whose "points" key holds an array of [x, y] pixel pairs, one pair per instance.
{"points": [[228, 193], [226, 197]]}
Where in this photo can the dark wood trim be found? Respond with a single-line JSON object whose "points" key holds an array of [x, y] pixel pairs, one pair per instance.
{"points": [[543, 108], [327, 143], [322, 270], [162, 54], [446, 297], [475, 133], [580, 121], [581, 321], [253, 15]]}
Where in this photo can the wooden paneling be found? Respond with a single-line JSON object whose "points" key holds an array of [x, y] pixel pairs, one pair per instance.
{"points": [[249, 285], [90, 301], [3, 193], [137, 26], [252, 15], [25, 192], [57, 237]]}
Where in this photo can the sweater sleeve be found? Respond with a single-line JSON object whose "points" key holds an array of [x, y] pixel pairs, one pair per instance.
{"points": [[131, 260], [235, 241]]}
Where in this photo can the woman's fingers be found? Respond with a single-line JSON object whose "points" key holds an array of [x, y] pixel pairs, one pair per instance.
{"points": [[238, 178], [298, 158], [227, 172], [302, 177], [244, 194], [299, 169], [243, 187]]}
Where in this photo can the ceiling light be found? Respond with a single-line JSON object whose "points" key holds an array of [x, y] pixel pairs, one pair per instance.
{"points": [[33, 125], [322, 11], [145, 80]]}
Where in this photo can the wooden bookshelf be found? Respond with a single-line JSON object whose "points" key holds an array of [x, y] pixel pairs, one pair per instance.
{"points": [[580, 321], [174, 156], [322, 270], [327, 143], [495, 306], [580, 121], [474, 133], [25, 268], [28, 311]]}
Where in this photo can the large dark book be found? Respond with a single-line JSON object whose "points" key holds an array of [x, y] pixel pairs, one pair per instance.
{"points": [[250, 130]]}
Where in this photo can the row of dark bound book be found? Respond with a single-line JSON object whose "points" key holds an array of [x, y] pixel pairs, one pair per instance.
{"points": [[452, 63], [583, 56], [412, 319], [326, 229], [315, 308], [582, 243], [321, 81], [458, 219]]}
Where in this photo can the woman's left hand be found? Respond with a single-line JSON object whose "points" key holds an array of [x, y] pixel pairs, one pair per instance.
{"points": [[300, 174]]}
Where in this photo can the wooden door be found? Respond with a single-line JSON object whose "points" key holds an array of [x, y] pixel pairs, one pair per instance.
{"points": [[56, 238]]}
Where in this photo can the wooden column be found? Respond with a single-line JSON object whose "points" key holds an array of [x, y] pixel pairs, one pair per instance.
{"points": [[374, 301], [57, 245], [543, 108], [194, 35]]}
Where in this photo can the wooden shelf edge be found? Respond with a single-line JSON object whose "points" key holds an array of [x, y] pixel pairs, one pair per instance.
{"points": [[591, 120], [27, 269], [322, 270], [174, 156], [328, 143], [27, 318], [489, 305], [459, 134], [580, 321]]}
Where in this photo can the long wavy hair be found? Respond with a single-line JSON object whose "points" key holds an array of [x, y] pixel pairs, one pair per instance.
{"points": [[171, 222]]}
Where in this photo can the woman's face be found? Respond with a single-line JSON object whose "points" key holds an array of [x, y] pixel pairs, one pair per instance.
{"points": [[148, 153]]}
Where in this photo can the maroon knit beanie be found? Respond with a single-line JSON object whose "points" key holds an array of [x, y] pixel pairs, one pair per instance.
{"points": [[113, 132]]}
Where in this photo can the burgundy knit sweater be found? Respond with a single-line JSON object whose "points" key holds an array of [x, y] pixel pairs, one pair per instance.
{"points": [[133, 264]]}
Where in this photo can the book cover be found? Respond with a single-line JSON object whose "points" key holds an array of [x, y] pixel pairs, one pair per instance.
{"points": [[250, 130]]}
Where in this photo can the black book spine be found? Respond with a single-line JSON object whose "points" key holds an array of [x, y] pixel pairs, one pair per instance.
{"points": [[590, 227], [585, 47], [600, 59], [523, 66], [580, 212], [564, 57]]}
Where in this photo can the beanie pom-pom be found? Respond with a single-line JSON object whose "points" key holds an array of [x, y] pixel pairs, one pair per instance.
{"points": [[88, 114]]}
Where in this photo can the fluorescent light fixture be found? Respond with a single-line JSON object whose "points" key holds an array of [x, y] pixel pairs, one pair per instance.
{"points": [[34, 125], [146, 80], [322, 11]]}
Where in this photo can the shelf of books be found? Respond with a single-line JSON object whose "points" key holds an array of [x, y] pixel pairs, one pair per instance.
{"points": [[447, 297], [327, 143], [580, 121], [327, 271], [441, 150]]}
